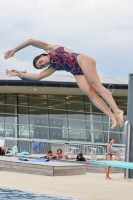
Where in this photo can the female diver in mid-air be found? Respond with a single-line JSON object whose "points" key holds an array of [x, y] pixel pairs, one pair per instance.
{"points": [[81, 66]]}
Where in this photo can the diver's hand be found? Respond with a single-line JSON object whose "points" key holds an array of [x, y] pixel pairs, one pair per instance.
{"points": [[13, 72], [9, 54]]}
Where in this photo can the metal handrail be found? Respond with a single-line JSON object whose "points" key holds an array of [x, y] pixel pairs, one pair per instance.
{"points": [[48, 108], [34, 98], [68, 128], [51, 117]]}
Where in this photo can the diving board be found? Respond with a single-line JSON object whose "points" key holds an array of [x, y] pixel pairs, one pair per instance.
{"points": [[119, 164]]}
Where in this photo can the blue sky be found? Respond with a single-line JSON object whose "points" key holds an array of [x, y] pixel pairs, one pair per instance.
{"points": [[101, 29]]}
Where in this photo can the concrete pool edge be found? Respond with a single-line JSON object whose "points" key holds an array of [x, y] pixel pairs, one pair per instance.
{"points": [[43, 168]]}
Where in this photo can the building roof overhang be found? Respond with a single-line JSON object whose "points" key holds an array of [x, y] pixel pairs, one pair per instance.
{"points": [[65, 83]]}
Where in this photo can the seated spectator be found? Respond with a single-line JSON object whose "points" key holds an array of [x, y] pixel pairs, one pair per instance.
{"points": [[50, 155], [80, 157], [60, 154], [2, 152]]}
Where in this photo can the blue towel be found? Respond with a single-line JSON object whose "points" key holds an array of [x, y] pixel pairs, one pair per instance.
{"points": [[39, 160], [37, 145], [23, 159]]}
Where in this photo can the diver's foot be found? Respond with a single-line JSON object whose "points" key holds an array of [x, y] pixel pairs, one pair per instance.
{"points": [[114, 122], [119, 117]]}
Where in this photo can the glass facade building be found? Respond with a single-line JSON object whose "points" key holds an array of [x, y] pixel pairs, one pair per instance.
{"points": [[57, 117]]}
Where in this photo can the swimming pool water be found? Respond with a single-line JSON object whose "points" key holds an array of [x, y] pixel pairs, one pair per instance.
{"points": [[9, 194]]}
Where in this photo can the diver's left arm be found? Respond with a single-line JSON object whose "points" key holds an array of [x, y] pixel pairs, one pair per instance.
{"points": [[39, 76]]}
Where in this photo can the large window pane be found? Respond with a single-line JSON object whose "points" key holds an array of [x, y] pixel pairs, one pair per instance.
{"points": [[2, 103], [2, 132], [1, 118], [76, 115], [38, 117], [109, 133], [39, 132], [57, 113], [23, 131], [10, 119], [39, 101], [77, 134], [55, 104], [89, 128], [57, 97], [37, 111], [10, 130], [73, 106], [11, 99], [2, 98], [79, 124], [39, 120], [23, 99], [87, 99], [10, 109], [58, 128], [22, 110], [97, 128], [106, 128], [2, 108], [57, 117], [57, 122], [88, 107], [56, 133], [77, 128], [74, 98], [95, 110], [23, 119]]}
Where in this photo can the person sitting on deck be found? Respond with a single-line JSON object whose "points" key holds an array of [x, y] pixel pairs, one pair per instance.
{"points": [[2, 152], [60, 154], [80, 157], [50, 155]]}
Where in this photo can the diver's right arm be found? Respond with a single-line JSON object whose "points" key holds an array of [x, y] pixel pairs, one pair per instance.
{"points": [[35, 43], [42, 74]]}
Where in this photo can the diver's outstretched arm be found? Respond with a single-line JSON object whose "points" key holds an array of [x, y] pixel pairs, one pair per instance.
{"points": [[43, 74], [36, 43]]}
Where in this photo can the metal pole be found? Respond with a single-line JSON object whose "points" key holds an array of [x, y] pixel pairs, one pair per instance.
{"points": [[110, 108], [127, 150], [130, 119]]}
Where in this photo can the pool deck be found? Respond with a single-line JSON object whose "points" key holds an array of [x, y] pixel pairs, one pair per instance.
{"points": [[51, 168], [89, 167], [91, 186]]}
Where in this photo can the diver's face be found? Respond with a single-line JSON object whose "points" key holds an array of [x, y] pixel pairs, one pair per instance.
{"points": [[42, 62]]}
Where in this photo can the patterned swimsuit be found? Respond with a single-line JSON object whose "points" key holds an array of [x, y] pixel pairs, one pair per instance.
{"points": [[62, 60]]}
